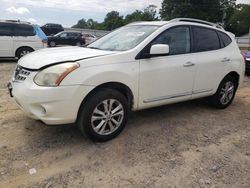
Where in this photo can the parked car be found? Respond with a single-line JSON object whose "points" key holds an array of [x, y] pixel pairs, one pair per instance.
{"points": [[19, 38], [89, 38], [141, 65], [66, 38], [247, 58], [52, 29]]}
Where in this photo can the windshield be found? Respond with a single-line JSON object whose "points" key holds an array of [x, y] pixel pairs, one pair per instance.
{"points": [[124, 38], [58, 34]]}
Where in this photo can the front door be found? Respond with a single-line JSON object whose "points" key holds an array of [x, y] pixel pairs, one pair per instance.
{"points": [[167, 79]]}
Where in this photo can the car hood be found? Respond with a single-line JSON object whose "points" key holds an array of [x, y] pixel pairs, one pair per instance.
{"points": [[45, 57]]}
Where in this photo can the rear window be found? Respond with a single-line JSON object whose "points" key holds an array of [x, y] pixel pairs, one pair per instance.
{"points": [[225, 39], [24, 30], [205, 39], [6, 29]]}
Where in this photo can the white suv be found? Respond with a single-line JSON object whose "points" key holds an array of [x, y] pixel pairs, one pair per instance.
{"points": [[20, 38], [138, 66]]}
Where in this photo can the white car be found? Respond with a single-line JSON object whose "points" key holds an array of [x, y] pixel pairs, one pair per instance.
{"points": [[20, 38], [141, 65]]}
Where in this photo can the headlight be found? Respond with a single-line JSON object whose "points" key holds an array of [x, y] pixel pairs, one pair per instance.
{"points": [[54, 75]]}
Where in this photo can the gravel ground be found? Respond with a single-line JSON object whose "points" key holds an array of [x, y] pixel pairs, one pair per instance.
{"points": [[182, 145]]}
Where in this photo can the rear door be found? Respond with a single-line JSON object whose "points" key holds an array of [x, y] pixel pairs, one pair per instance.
{"points": [[212, 62], [6, 40]]}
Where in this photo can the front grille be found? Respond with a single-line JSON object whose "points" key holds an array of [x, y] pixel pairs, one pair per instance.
{"points": [[21, 74]]}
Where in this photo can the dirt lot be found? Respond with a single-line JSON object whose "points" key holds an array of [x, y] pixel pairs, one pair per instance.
{"points": [[183, 145]]}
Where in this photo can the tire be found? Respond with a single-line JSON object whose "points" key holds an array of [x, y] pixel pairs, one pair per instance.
{"points": [[23, 51], [99, 124], [225, 93], [52, 44]]}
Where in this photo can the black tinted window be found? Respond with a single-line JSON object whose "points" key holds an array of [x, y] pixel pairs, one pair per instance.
{"points": [[6, 29], [24, 30], [205, 39], [225, 39], [73, 34], [177, 38]]}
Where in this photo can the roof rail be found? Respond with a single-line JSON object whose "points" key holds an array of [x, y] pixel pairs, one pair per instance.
{"points": [[15, 21], [197, 21]]}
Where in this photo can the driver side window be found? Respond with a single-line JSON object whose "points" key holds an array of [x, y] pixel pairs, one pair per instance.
{"points": [[178, 39]]}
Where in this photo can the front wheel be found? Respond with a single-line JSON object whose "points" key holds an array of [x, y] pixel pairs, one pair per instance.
{"points": [[23, 51], [52, 44], [225, 93], [104, 115]]}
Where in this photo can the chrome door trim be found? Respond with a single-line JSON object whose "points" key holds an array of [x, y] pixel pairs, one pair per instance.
{"points": [[167, 97], [177, 95], [202, 91]]}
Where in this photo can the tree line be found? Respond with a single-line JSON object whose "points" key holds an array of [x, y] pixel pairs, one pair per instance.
{"points": [[235, 18]]}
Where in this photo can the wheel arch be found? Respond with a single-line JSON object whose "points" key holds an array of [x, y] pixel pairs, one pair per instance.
{"points": [[122, 88], [235, 75], [21, 48]]}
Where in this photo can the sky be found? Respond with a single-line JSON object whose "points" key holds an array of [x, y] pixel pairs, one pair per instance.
{"points": [[69, 12]]}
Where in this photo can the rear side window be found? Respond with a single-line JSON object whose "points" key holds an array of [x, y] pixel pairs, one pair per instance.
{"points": [[24, 30], [178, 39], [6, 29], [205, 39], [225, 39]]}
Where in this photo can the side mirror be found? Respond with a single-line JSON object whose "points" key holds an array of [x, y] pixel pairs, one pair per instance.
{"points": [[159, 49]]}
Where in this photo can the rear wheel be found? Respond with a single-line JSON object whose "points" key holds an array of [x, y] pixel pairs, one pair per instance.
{"points": [[225, 93], [104, 115], [23, 51]]}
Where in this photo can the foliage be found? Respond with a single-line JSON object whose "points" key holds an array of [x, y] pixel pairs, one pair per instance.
{"points": [[239, 22], [235, 18], [114, 20], [211, 10]]}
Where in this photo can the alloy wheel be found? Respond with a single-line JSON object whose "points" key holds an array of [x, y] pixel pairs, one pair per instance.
{"points": [[107, 117], [24, 52], [227, 92]]}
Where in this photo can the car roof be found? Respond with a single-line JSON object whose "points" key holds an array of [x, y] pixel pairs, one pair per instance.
{"points": [[156, 23], [15, 22], [181, 21]]}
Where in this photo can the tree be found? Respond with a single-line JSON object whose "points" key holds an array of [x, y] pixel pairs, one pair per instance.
{"points": [[133, 17], [212, 10], [113, 20], [148, 14], [89, 24], [81, 24], [239, 23]]}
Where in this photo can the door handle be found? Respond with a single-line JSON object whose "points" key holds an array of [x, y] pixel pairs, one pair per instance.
{"points": [[189, 64], [225, 60]]}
